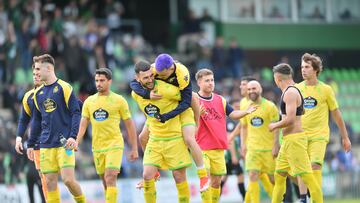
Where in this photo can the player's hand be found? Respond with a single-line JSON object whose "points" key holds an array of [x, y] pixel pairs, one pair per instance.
{"points": [[19, 147], [202, 110], [154, 95], [133, 155], [275, 150], [346, 144], [272, 127], [30, 154], [71, 143], [160, 118], [251, 109]]}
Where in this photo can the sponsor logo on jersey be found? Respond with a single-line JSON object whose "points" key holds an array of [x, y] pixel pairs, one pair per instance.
{"points": [[256, 121], [310, 102], [49, 105], [100, 115], [151, 110]]}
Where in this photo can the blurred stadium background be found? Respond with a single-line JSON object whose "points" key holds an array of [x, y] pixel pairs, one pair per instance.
{"points": [[232, 37]]}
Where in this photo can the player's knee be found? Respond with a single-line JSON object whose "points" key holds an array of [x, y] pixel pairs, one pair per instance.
{"points": [[148, 176], [68, 181], [253, 176], [51, 184], [315, 166], [215, 182], [179, 175], [110, 179]]}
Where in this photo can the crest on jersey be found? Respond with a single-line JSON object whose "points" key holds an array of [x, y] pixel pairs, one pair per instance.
{"points": [[310, 102], [49, 105], [257, 121], [41, 92], [100, 114], [186, 78], [56, 89]]}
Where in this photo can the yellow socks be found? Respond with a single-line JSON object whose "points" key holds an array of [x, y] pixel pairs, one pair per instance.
{"points": [[215, 194], [54, 196], [268, 186], [254, 191], [206, 196], [149, 191], [318, 177], [279, 188], [111, 195], [247, 197], [183, 192], [201, 172], [80, 199], [315, 190]]}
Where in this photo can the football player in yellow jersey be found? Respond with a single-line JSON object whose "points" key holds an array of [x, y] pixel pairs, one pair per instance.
{"points": [[319, 100], [175, 73], [104, 110], [240, 130], [293, 157], [262, 145], [166, 146]]}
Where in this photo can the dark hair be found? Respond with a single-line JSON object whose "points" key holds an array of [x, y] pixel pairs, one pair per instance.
{"points": [[45, 58], [283, 68], [142, 66], [314, 60], [104, 71], [247, 78]]}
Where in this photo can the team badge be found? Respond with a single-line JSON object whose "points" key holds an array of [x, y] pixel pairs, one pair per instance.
{"points": [[186, 78], [56, 89], [100, 115]]}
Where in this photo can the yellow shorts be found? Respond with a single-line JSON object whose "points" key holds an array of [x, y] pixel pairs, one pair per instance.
{"points": [[316, 151], [187, 117], [261, 161], [37, 159], [215, 161], [171, 154], [110, 159], [53, 159], [293, 157]]}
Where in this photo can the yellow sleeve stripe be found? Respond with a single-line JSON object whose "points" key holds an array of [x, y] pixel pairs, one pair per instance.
{"points": [[67, 90], [35, 101], [25, 103]]}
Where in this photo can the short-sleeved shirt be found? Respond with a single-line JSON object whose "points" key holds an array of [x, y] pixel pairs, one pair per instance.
{"points": [[171, 95], [318, 101], [244, 104], [105, 114], [259, 137]]}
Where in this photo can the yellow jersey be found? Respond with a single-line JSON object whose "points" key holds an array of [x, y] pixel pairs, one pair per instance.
{"points": [[318, 101], [259, 138], [244, 104], [105, 114], [180, 78], [171, 95]]}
